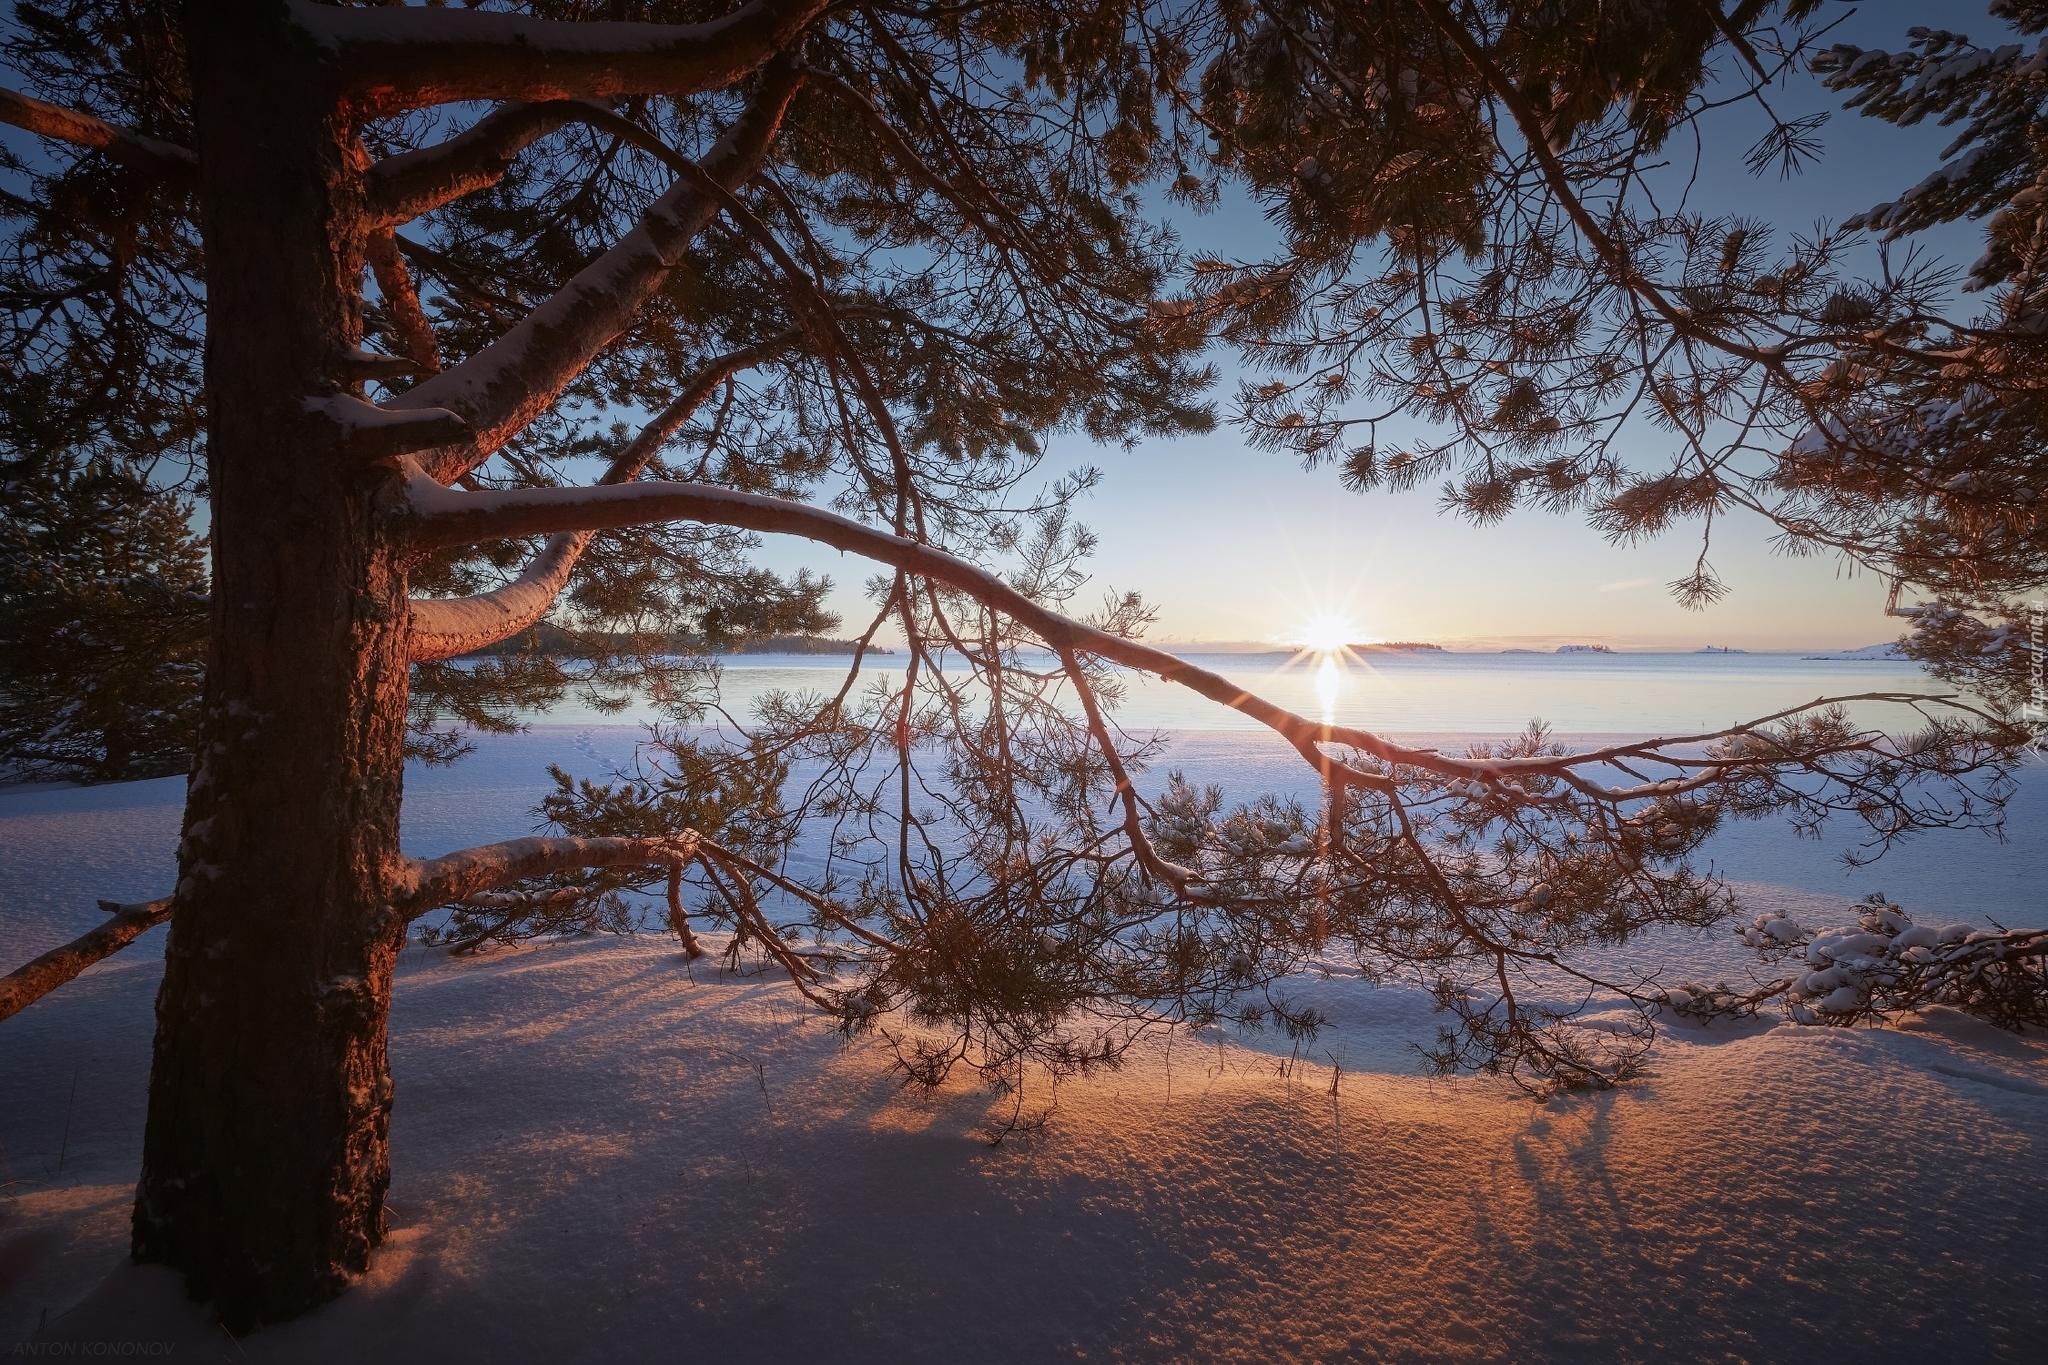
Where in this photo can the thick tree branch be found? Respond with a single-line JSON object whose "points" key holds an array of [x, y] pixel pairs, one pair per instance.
{"points": [[25, 985], [404, 187], [471, 876], [173, 163], [402, 57], [443, 628], [408, 185], [517, 377], [375, 434], [458, 876], [816, 306], [402, 301]]}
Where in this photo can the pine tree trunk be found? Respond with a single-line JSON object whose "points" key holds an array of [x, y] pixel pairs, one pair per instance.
{"points": [[265, 1161]]}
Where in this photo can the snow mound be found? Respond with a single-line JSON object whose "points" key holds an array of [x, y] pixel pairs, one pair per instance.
{"points": [[601, 1152]]}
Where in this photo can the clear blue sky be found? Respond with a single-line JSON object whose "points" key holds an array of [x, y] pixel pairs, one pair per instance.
{"points": [[1238, 545]]}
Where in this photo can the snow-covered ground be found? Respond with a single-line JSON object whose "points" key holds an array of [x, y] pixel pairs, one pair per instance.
{"points": [[601, 1152]]}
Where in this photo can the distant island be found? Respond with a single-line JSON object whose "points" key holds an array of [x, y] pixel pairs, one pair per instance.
{"points": [[1867, 654], [801, 644], [1398, 647], [1720, 649], [1584, 649]]}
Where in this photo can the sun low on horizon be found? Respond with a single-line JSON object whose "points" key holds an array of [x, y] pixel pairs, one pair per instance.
{"points": [[1328, 636], [1327, 632]]}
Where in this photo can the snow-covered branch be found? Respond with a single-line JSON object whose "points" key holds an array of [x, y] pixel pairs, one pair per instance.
{"points": [[443, 628], [468, 876], [404, 187], [372, 433], [27, 984], [517, 377], [403, 57], [472, 878], [1882, 967], [469, 872], [68, 125]]}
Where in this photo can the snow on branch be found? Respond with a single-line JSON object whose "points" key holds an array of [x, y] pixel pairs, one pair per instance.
{"points": [[403, 57], [1882, 967], [443, 628], [403, 187], [469, 876], [473, 878], [517, 377], [83, 130], [27, 984], [372, 433], [471, 872]]}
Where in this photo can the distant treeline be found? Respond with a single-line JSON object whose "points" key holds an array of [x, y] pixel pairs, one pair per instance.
{"points": [[558, 643], [801, 644]]}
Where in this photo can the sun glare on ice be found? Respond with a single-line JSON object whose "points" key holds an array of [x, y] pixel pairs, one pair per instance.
{"points": [[1328, 634], [1328, 682]]}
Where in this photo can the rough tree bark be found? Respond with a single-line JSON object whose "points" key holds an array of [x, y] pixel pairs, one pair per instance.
{"points": [[264, 1159]]}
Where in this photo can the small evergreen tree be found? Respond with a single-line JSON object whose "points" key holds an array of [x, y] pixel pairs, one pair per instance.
{"points": [[103, 623]]}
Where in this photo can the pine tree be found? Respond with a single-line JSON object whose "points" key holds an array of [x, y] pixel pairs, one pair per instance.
{"points": [[103, 615], [647, 286]]}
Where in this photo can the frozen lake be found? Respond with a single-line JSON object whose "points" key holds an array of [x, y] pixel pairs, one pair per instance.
{"points": [[62, 848], [1603, 694]]}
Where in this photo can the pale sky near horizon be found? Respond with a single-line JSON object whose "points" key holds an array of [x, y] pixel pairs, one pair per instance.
{"points": [[1231, 544]]}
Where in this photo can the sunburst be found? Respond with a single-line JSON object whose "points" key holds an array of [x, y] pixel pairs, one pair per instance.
{"points": [[1326, 633], [1328, 636]]}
